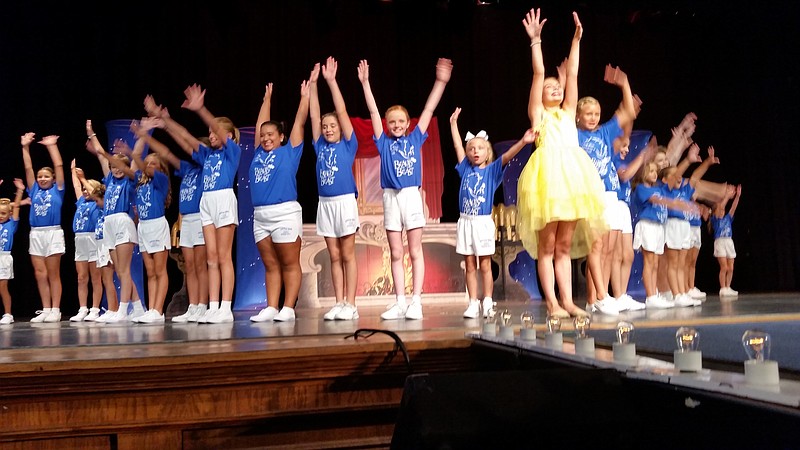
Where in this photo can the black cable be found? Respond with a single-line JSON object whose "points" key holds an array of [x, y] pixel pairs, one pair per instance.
{"points": [[398, 343]]}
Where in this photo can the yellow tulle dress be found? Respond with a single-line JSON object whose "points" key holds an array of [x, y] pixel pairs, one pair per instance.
{"points": [[560, 183]]}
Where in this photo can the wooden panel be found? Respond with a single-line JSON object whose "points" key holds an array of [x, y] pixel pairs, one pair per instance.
{"points": [[68, 443], [150, 439]]}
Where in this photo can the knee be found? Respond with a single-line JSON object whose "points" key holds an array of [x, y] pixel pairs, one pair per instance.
{"points": [[83, 278]]}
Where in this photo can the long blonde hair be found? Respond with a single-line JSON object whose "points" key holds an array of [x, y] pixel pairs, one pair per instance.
{"points": [[162, 167]]}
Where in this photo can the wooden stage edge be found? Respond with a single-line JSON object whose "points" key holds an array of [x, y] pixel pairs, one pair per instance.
{"points": [[254, 393]]}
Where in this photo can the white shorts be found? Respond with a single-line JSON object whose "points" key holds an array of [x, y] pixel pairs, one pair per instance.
{"points": [[220, 208], [612, 213], [154, 235], [282, 222], [337, 216], [103, 255], [85, 247], [403, 209], [677, 235], [649, 236], [6, 267], [475, 235], [192, 231], [119, 229], [723, 248], [695, 237], [47, 241], [625, 217]]}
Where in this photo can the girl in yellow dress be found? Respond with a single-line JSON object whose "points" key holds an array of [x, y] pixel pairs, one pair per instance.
{"points": [[559, 193]]}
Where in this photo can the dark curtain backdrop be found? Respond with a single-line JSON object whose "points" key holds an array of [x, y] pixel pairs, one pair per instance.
{"points": [[65, 62]]}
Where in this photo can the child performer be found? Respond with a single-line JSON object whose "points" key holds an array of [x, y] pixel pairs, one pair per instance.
{"points": [[9, 219], [84, 225], [724, 250]]}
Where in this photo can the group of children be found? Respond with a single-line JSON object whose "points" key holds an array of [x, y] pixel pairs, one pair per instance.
{"points": [[574, 200]]}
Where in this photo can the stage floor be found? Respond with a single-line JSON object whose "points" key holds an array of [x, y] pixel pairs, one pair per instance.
{"points": [[63, 341]]}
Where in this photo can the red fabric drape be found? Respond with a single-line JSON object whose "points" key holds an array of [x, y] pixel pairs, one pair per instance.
{"points": [[432, 165]]}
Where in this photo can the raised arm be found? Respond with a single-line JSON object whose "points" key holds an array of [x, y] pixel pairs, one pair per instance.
{"points": [[527, 138], [137, 160], [460, 154], [96, 148], [26, 141], [17, 198], [142, 132], [533, 27], [444, 68], [571, 89], [298, 128], [195, 101], [263, 112], [313, 104], [185, 140], [703, 167], [735, 203], [374, 114], [681, 138], [76, 181], [329, 73], [626, 111], [692, 156], [628, 171], [51, 142]]}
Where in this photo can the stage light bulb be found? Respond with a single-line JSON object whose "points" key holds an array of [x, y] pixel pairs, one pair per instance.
{"points": [[757, 344], [625, 332], [526, 319], [505, 318], [582, 324], [491, 315], [553, 324], [688, 339]]}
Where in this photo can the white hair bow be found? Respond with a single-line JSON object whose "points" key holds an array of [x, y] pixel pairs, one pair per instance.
{"points": [[481, 134]]}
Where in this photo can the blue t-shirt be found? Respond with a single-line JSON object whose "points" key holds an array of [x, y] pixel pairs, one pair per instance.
{"points": [[98, 231], [191, 175], [401, 159], [683, 193], [624, 192], [273, 174], [476, 195], [7, 230], [150, 196], [219, 166], [85, 219], [645, 209], [335, 166], [119, 195], [45, 205], [599, 145], [723, 228]]}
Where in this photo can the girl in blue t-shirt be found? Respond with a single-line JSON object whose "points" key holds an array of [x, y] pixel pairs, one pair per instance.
{"points": [[401, 180], [9, 219], [84, 223], [192, 242], [46, 190], [481, 175], [724, 250], [335, 145], [277, 216]]}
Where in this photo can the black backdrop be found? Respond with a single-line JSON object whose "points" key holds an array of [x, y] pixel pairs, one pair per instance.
{"points": [[63, 63]]}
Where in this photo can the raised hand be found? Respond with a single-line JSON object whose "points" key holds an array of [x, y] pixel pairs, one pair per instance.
{"points": [[149, 123], [694, 153], [122, 148], [304, 89], [533, 24], [529, 136], [637, 104], [562, 72], [614, 75], [329, 69], [89, 129], [151, 107], [314, 74], [19, 184], [27, 139], [363, 71], [195, 97], [268, 92], [454, 116], [49, 140], [578, 27], [714, 159], [444, 68]]}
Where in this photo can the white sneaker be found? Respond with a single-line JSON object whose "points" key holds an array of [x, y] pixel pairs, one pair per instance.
{"points": [[473, 310], [348, 312], [42, 314], [658, 302], [183, 318], [630, 304], [7, 319], [394, 311], [206, 315], [81, 316], [286, 314], [696, 293], [414, 310], [265, 315], [94, 313], [331, 315], [607, 306], [54, 316], [136, 314], [732, 293], [682, 300], [151, 316], [486, 305], [221, 316], [199, 311]]}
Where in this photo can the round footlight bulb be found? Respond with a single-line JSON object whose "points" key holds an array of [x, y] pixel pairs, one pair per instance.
{"points": [[688, 339], [625, 332], [527, 320], [757, 344], [582, 324], [553, 324], [490, 321], [687, 358], [505, 318]]}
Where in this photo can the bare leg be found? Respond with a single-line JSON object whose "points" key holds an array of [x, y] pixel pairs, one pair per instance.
{"points": [[397, 251], [471, 276], [417, 259]]}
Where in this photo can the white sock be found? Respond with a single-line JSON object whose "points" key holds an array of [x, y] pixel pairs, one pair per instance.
{"points": [[138, 305], [416, 299], [226, 305], [55, 310], [83, 308], [213, 305], [202, 307], [123, 307], [401, 300]]}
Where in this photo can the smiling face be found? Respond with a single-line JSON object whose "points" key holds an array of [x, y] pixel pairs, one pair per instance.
{"points": [[397, 121], [478, 151], [330, 128], [270, 136], [650, 173], [44, 178], [151, 165], [552, 93]]}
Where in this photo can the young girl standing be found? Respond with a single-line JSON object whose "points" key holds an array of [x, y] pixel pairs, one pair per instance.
{"points": [[337, 211], [9, 219], [401, 179], [559, 193], [481, 175], [46, 190], [84, 225], [277, 216], [724, 250]]}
